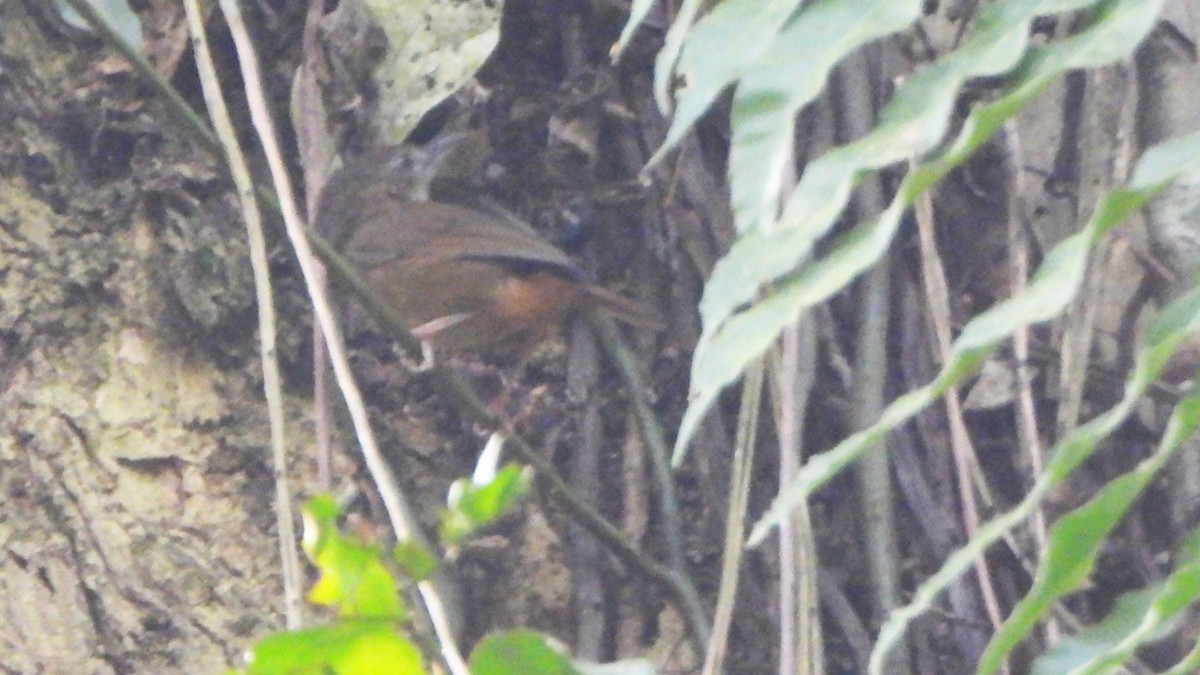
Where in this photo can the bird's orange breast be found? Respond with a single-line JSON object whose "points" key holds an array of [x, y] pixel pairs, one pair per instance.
{"points": [[541, 297]]}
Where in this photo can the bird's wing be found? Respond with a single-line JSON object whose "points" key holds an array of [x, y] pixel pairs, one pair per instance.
{"points": [[435, 230]]}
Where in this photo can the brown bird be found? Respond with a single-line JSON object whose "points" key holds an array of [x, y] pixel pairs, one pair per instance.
{"points": [[462, 278]]}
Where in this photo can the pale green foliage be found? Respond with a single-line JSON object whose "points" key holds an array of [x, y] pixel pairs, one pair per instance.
{"points": [[769, 278]]}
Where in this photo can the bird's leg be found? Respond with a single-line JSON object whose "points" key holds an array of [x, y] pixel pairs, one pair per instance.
{"points": [[427, 362], [426, 332]]}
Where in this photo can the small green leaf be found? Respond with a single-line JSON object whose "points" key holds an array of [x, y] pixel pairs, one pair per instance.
{"points": [[353, 574], [320, 516], [361, 647], [474, 506], [485, 503], [519, 651]]}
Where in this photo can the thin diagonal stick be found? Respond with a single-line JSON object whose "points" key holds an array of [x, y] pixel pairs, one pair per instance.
{"points": [[399, 512]]}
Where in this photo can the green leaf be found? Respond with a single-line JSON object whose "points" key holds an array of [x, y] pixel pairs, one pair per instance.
{"points": [[519, 651], [718, 50], [1139, 618], [360, 647], [788, 76], [474, 506], [664, 63], [353, 574]]}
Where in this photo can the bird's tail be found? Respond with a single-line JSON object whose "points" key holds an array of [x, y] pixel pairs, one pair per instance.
{"points": [[625, 310]]}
